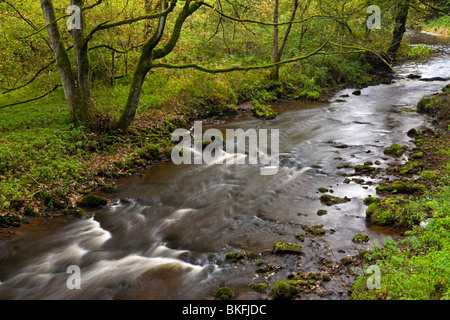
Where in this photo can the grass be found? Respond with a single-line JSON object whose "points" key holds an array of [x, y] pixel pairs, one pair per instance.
{"points": [[439, 26]]}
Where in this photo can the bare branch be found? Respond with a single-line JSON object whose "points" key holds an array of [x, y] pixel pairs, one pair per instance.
{"points": [[108, 25], [262, 22], [247, 68]]}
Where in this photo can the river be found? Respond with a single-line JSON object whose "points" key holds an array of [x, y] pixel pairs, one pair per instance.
{"points": [[168, 230]]}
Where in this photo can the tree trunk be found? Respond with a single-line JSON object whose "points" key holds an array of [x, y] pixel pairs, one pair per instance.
{"points": [[401, 17], [275, 57], [62, 59], [84, 108], [278, 50], [77, 93], [150, 53], [142, 69]]}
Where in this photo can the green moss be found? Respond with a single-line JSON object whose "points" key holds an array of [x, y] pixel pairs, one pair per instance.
{"points": [[310, 95], [234, 256], [315, 229], [10, 220], [259, 262], [260, 287], [395, 150], [263, 111], [411, 167], [326, 277], [93, 201], [297, 282], [370, 200], [360, 238], [322, 212], [286, 247], [283, 291], [405, 187], [29, 211], [430, 175], [365, 168], [108, 188], [426, 105], [393, 211], [330, 200], [224, 293], [323, 190], [418, 155]]}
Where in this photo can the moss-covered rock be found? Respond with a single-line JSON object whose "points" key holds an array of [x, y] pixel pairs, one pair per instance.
{"points": [[323, 190], [10, 220], [360, 238], [326, 277], [411, 167], [283, 291], [314, 230], [108, 188], [392, 212], [365, 168], [29, 211], [417, 155], [263, 111], [399, 186], [234, 256], [260, 287], [322, 212], [286, 247], [55, 200], [330, 200], [395, 150], [224, 293], [369, 200], [93, 201]]}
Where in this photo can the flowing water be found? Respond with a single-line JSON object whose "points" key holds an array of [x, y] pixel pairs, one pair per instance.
{"points": [[168, 230]]}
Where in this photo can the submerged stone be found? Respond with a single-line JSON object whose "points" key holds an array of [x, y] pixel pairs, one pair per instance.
{"points": [[286, 247], [234, 256], [360, 238], [365, 168], [330, 200]]}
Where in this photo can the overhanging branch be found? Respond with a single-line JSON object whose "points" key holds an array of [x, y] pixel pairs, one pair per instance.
{"points": [[239, 68], [225, 15]]}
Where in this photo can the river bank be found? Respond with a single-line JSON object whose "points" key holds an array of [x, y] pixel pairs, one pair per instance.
{"points": [[417, 267]]}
